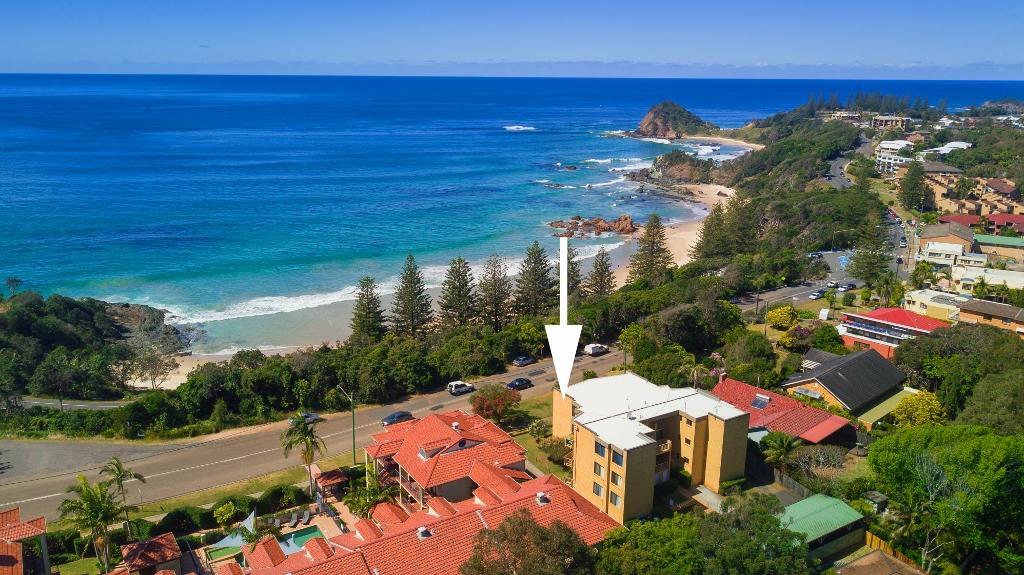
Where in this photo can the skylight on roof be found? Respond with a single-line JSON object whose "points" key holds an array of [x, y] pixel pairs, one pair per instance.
{"points": [[760, 401], [808, 392]]}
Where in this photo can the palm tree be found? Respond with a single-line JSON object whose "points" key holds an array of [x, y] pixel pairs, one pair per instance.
{"points": [[886, 287], [779, 449], [302, 434], [94, 508], [117, 474], [258, 533], [361, 500]]}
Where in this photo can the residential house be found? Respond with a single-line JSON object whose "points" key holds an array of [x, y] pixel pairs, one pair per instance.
{"points": [[888, 157], [943, 149], [1000, 315], [949, 254], [884, 329], [998, 221], [965, 278], [966, 220], [888, 122], [13, 533], [770, 411], [628, 434], [932, 303], [157, 555], [948, 233], [434, 456], [1000, 247], [1003, 187], [932, 169], [436, 540], [831, 527], [862, 382]]}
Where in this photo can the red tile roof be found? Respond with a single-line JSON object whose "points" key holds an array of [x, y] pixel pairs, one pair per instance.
{"points": [[264, 553], [13, 529], [150, 553], [10, 559], [962, 219], [271, 560], [782, 413], [1001, 185], [229, 568], [402, 550], [441, 448], [902, 318], [1000, 220]]}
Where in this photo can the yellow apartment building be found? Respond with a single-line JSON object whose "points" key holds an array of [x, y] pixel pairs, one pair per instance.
{"points": [[628, 434]]}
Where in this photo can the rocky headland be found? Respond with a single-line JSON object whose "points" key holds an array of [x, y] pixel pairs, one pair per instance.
{"points": [[580, 227]]}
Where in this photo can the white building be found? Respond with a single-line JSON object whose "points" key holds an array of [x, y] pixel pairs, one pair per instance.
{"points": [[944, 149], [949, 254], [966, 277], [887, 157]]}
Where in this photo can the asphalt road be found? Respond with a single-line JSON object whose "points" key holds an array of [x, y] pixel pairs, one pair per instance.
{"points": [[182, 467], [836, 174]]}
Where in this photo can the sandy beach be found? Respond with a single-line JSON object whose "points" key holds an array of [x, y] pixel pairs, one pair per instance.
{"points": [[728, 142], [681, 237]]}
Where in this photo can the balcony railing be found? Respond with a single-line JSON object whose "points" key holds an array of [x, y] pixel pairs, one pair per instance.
{"points": [[665, 446], [880, 330]]}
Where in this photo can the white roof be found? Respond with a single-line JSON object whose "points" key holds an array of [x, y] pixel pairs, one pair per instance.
{"points": [[944, 248], [894, 144], [947, 148], [614, 407]]}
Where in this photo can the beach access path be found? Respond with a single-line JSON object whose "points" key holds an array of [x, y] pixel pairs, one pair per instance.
{"points": [[180, 467]]}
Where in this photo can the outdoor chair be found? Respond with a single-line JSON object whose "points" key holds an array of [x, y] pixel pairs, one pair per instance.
{"points": [[294, 521]]}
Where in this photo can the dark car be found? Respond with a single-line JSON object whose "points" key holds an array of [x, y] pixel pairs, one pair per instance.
{"points": [[524, 360], [396, 417], [309, 418], [519, 383]]}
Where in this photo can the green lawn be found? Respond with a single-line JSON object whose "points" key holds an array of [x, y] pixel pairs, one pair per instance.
{"points": [[539, 408], [87, 566]]}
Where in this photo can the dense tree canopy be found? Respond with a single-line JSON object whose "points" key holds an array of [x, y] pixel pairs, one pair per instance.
{"points": [[521, 546]]}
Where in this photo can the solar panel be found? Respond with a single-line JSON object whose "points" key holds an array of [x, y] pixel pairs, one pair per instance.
{"points": [[759, 401]]}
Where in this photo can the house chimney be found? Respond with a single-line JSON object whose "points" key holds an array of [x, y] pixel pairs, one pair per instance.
{"points": [[455, 425], [423, 532], [542, 498]]}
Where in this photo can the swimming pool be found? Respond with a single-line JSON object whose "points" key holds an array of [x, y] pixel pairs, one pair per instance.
{"points": [[292, 542]]}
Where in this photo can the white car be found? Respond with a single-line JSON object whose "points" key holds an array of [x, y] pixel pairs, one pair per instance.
{"points": [[594, 349], [460, 387]]}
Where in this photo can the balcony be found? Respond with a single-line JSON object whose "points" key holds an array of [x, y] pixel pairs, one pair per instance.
{"points": [[661, 468], [664, 446]]}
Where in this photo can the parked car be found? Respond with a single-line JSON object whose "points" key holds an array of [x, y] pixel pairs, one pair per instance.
{"points": [[832, 284], [396, 417], [842, 288], [460, 388], [524, 360], [519, 383], [851, 286], [899, 260], [595, 349], [816, 295], [903, 244]]}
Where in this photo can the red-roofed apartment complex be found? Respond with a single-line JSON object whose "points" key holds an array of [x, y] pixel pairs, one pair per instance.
{"points": [[12, 532], [434, 456], [771, 411], [459, 474], [885, 328]]}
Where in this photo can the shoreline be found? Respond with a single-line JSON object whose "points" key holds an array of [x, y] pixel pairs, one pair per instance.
{"points": [[727, 141], [680, 237]]}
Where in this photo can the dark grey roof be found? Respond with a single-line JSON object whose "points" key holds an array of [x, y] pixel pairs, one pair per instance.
{"points": [[857, 380], [947, 229], [993, 308], [939, 167], [819, 355]]}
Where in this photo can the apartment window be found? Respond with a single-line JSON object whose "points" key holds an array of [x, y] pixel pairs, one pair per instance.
{"points": [[598, 489], [617, 457], [689, 422], [599, 449], [598, 470], [686, 440], [686, 460], [615, 499], [616, 479]]}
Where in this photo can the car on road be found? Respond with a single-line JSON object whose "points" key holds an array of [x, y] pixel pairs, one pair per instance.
{"points": [[519, 383], [903, 244], [832, 284], [816, 295], [309, 418], [396, 417], [851, 286], [460, 388], [524, 360], [842, 288], [595, 349], [899, 260]]}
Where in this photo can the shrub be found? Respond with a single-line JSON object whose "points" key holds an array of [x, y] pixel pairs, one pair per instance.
{"points": [[540, 429], [731, 487], [494, 401], [281, 497], [589, 374], [243, 505], [555, 448], [185, 520], [781, 317], [62, 541], [848, 298], [62, 558]]}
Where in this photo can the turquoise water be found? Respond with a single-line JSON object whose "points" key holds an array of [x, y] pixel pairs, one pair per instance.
{"points": [[300, 537], [251, 205]]}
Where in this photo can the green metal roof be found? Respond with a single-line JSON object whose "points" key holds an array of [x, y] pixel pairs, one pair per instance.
{"points": [[883, 408], [999, 240], [818, 515]]}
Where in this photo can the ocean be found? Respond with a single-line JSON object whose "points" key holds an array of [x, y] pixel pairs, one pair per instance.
{"points": [[252, 204]]}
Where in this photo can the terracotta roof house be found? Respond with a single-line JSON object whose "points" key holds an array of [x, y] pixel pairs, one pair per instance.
{"points": [[433, 541], [883, 329], [160, 553], [1001, 220], [965, 220], [14, 531], [863, 383], [433, 456], [771, 411], [1000, 186], [948, 232]]}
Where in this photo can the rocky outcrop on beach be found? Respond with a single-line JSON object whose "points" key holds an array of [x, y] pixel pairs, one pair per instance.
{"points": [[671, 121], [577, 226], [146, 324]]}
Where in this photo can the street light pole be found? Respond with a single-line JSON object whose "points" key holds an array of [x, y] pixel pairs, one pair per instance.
{"points": [[352, 407]]}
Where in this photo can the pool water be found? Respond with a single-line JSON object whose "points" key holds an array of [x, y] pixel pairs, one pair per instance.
{"points": [[299, 538]]}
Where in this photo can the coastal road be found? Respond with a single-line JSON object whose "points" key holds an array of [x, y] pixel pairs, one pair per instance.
{"points": [[180, 467], [837, 168]]}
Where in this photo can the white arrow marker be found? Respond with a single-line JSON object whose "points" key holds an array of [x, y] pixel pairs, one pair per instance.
{"points": [[563, 339]]}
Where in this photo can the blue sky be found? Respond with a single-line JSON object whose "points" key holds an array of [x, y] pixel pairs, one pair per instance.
{"points": [[677, 37]]}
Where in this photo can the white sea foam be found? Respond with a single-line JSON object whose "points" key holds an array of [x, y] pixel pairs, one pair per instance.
{"points": [[598, 161], [235, 349], [657, 141], [588, 251], [633, 167], [618, 180], [517, 128], [614, 133]]}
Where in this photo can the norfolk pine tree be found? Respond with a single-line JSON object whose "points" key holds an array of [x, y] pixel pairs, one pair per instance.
{"points": [[411, 312], [652, 258], [457, 305], [367, 314], [536, 286], [601, 281], [495, 293]]}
